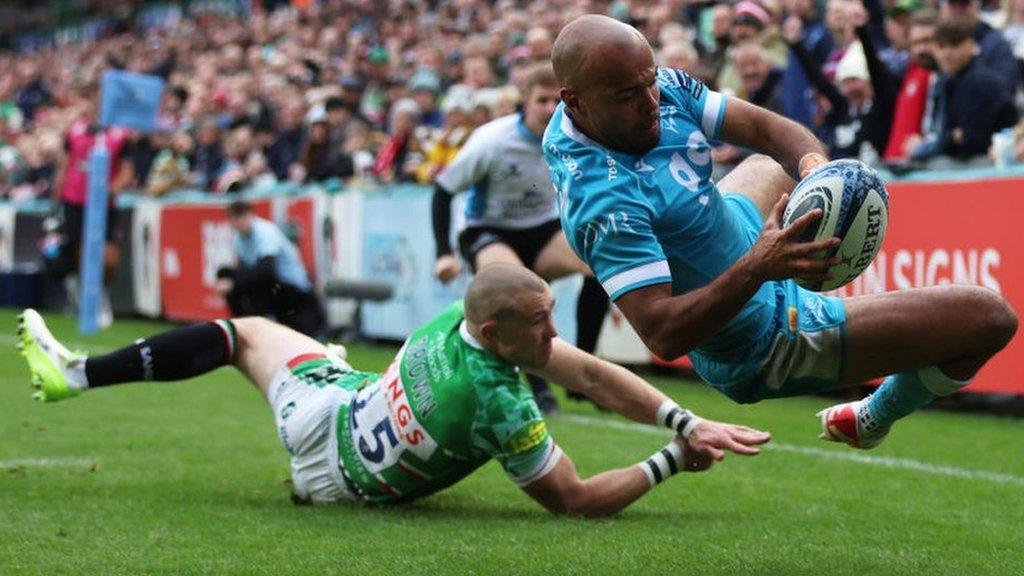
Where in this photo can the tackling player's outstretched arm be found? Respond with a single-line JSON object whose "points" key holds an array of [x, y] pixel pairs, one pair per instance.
{"points": [[619, 390], [562, 491], [671, 326]]}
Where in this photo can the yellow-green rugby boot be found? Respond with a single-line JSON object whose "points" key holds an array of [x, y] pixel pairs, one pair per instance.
{"points": [[56, 372]]}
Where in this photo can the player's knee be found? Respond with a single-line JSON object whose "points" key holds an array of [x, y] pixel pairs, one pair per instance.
{"points": [[996, 320], [762, 159], [249, 328], [1002, 320]]}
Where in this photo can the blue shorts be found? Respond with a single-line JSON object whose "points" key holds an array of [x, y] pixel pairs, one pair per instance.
{"points": [[802, 353]]}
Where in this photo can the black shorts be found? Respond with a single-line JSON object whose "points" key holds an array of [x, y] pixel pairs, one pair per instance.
{"points": [[526, 242], [74, 223]]}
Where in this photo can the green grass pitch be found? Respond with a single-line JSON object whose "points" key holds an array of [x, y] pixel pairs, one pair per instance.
{"points": [[189, 478]]}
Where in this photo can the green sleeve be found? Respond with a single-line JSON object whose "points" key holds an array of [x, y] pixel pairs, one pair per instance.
{"points": [[509, 428]]}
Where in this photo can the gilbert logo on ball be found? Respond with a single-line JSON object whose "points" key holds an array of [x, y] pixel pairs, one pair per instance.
{"points": [[855, 209]]}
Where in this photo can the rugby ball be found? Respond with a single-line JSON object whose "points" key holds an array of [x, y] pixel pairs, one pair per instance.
{"points": [[855, 209]]}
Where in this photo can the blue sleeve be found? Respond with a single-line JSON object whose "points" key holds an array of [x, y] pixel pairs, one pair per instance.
{"points": [[606, 219], [269, 242], [614, 235], [706, 107]]}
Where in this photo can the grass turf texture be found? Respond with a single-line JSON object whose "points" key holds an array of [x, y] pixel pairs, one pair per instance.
{"points": [[189, 478]]}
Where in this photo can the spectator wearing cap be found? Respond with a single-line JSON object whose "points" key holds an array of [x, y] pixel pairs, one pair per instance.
{"points": [[751, 21], [916, 89], [973, 101], [424, 87], [804, 26], [993, 50]]}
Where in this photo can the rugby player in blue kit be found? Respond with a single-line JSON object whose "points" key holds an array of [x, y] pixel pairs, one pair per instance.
{"points": [[711, 274]]}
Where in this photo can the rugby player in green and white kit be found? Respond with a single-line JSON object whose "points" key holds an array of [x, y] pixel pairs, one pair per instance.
{"points": [[449, 402]]}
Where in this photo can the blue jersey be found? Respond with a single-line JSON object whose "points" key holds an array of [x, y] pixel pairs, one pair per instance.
{"points": [[644, 220], [265, 239]]}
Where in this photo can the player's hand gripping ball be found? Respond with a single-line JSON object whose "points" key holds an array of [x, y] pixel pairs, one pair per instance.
{"points": [[855, 209]]}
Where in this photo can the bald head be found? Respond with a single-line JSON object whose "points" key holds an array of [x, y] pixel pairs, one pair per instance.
{"points": [[609, 83], [496, 289], [591, 39]]}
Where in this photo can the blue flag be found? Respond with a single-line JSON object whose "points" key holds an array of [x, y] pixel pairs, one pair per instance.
{"points": [[130, 100]]}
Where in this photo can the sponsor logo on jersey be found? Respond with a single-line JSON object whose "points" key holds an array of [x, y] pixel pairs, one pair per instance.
{"points": [[612, 224], [816, 308], [383, 424], [684, 168], [570, 163], [527, 438], [406, 425], [418, 370], [613, 170]]}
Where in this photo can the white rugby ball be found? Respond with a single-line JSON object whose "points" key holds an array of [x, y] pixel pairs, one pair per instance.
{"points": [[855, 209]]}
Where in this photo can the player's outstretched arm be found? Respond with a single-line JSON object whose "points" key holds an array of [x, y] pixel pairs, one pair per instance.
{"points": [[790, 144], [625, 393], [562, 491]]}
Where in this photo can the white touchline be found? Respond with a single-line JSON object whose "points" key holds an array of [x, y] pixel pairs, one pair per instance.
{"points": [[47, 463], [883, 461]]}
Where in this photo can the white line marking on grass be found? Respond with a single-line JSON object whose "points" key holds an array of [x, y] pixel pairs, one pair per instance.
{"points": [[47, 463], [850, 456]]}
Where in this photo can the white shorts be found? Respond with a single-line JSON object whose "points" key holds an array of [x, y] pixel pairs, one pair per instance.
{"points": [[306, 416]]}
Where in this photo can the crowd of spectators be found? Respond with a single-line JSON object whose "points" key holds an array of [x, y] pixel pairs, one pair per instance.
{"points": [[367, 91]]}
